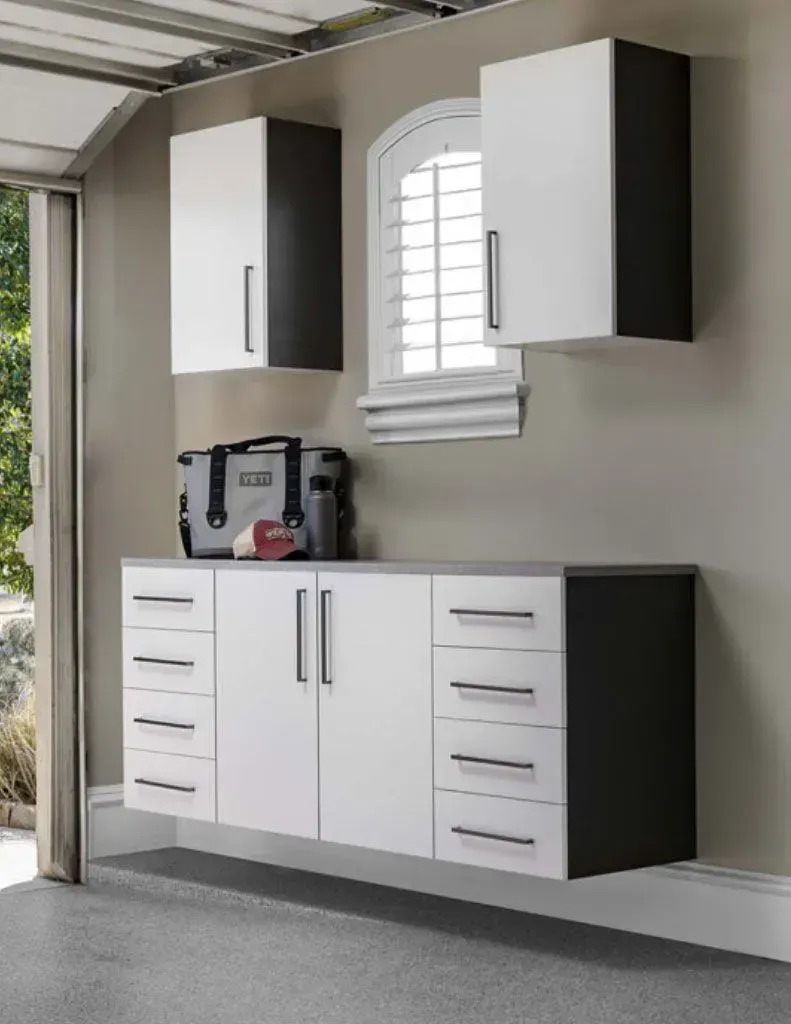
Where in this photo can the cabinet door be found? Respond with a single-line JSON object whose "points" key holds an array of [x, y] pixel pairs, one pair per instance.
{"points": [[217, 199], [267, 713], [375, 711], [547, 196]]}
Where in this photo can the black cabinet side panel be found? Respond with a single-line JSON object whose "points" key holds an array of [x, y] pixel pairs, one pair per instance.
{"points": [[630, 682], [304, 297], [653, 193]]}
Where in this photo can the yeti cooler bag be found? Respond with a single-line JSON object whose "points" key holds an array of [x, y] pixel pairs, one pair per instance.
{"points": [[229, 486]]}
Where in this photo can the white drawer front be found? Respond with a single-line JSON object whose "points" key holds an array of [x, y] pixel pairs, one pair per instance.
{"points": [[540, 831], [517, 687], [165, 659], [509, 613], [169, 723], [167, 784], [169, 598], [534, 768]]}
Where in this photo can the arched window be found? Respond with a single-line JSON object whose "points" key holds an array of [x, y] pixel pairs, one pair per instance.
{"points": [[427, 359]]}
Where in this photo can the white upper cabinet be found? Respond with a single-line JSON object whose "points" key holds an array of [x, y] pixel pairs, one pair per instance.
{"points": [[586, 197], [255, 247]]}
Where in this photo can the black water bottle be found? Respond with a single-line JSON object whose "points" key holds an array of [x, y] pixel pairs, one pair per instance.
{"points": [[321, 515]]}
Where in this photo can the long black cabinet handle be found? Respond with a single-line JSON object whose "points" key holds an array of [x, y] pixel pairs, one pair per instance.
{"points": [[248, 311], [485, 613], [163, 661], [493, 280], [164, 785], [301, 598], [524, 766], [459, 831], [163, 600], [164, 725], [527, 690], [326, 626]]}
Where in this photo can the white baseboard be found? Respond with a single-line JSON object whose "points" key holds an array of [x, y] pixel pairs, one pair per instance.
{"points": [[740, 911], [114, 829]]}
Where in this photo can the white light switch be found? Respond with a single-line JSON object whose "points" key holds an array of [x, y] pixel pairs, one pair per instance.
{"points": [[36, 470]]}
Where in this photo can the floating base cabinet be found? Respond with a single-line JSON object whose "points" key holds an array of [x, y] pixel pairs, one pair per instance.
{"points": [[526, 718], [587, 197]]}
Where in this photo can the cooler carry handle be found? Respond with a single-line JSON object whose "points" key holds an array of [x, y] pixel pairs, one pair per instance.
{"points": [[293, 516]]}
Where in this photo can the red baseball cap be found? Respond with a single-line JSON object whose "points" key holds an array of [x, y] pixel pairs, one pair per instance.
{"points": [[267, 540]]}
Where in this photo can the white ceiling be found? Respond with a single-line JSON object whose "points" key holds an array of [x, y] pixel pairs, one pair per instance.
{"points": [[66, 65]]}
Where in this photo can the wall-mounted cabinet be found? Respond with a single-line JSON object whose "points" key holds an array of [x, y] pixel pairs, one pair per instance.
{"points": [[256, 247], [586, 197], [536, 720]]}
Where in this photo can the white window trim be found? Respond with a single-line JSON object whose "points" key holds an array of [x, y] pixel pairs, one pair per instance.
{"points": [[445, 405]]}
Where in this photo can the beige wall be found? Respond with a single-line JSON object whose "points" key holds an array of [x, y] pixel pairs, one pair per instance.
{"points": [[675, 453]]}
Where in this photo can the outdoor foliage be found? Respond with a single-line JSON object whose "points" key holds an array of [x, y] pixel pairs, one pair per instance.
{"points": [[18, 751], [16, 658], [16, 512]]}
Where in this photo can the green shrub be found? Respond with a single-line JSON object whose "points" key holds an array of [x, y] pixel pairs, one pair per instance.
{"points": [[17, 658], [18, 751]]}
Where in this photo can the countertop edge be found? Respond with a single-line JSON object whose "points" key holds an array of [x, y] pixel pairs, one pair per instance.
{"points": [[550, 569]]}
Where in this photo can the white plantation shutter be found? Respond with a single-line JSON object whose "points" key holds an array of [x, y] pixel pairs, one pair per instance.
{"points": [[436, 296], [431, 376]]}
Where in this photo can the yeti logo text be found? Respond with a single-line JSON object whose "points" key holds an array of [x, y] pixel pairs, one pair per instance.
{"points": [[255, 479]]}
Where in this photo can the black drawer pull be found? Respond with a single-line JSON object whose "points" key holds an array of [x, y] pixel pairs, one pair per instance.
{"points": [[492, 614], [526, 690], [524, 766], [459, 831], [163, 661], [163, 600], [164, 785], [164, 725]]}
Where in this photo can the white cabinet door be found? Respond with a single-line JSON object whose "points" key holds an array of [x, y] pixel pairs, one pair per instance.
{"points": [[547, 196], [218, 231], [375, 710], [267, 712]]}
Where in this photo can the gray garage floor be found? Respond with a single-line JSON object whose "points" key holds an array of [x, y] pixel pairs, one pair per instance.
{"points": [[283, 948]]}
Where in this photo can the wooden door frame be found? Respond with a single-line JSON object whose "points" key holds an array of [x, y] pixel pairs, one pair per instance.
{"points": [[56, 332]]}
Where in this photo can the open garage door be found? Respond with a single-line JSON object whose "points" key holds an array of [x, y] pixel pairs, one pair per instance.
{"points": [[72, 72]]}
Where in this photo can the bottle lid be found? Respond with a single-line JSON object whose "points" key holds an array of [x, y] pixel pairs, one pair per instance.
{"points": [[321, 483]]}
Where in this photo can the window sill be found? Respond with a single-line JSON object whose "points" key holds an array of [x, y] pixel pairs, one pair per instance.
{"points": [[451, 410]]}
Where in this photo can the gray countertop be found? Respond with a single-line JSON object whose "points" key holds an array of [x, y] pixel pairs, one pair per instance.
{"points": [[427, 568]]}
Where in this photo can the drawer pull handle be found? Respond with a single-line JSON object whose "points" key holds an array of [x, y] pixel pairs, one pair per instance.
{"points": [[486, 614], [525, 766], [459, 831], [526, 690], [163, 600], [164, 725], [163, 661], [164, 785]]}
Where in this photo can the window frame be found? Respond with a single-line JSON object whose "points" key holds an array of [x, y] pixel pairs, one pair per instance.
{"points": [[445, 404]]}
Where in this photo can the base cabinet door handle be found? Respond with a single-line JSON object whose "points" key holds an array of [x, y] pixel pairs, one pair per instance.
{"points": [[325, 638], [494, 836]]}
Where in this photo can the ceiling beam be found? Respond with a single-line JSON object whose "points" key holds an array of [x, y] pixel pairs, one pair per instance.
{"points": [[92, 69], [213, 32]]}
